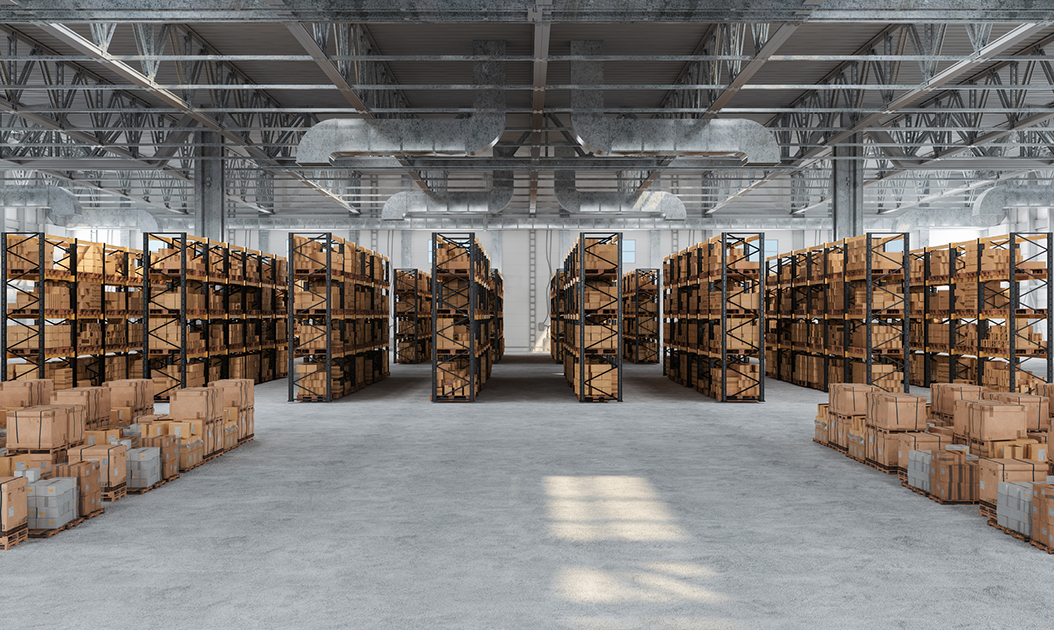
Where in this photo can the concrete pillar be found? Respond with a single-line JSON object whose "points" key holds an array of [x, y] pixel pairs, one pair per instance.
{"points": [[565, 244], [847, 187], [495, 249], [655, 248], [210, 216], [406, 249], [797, 240], [353, 236], [918, 238], [263, 238]]}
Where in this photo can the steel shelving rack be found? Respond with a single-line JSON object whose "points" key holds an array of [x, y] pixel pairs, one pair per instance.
{"points": [[640, 330], [462, 317], [413, 315], [592, 314], [337, 317], [715, 315], [497, 343], [556, 321]]}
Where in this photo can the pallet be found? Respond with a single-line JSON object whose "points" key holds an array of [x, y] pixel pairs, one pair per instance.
{"points": [[889, 470], [1039, 545], [172, 478], [1009, 532], [934, 498], [213, 457], [109, 495], [246, 440], [147, 489], [14, 537], [48, 533], [987, 512], [98, 512], [902, 475]]}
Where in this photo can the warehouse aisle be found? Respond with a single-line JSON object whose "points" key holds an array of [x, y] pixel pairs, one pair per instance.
{"points": [[529, 510]]}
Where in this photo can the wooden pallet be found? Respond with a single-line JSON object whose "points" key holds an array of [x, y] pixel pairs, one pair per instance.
{"points": [[246, 440], [1039, 545], [987, 512], [1009, 532], [48, 533], [14, 537], [934, 498], [109, 495], [212, 457], [98, 512], [902, 475], [889, 470], [147, 489]]}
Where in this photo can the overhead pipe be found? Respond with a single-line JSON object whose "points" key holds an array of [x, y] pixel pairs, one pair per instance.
{"points": [[576, 201], [1011, 195], [471, 135], [58, 201], [697, 137], [492, 201]]}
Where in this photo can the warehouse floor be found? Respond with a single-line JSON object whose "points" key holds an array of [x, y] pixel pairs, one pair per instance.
{"points": [[528, 510]]}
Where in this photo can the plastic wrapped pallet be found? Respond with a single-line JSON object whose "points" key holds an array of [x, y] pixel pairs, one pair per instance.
{"points": [[144, 467], [1014, 506], [169, 446], [191, 452], [89, 488], [52, 502], [920, 469]]}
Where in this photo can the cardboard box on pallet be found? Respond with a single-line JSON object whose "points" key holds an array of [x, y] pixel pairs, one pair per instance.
{"points": [[955, 477], [945, 394], [1037, 408], [10, 463], [883, 447], [191, 453], [896, 411], [196, 403], [52, 502], [94, 400], [25, 393], [133, 393], [994, 471], [985, 420], [168, 446], [39, 428], [112, 458], [14, 504], [247, 424], [920, 469], [849, 399], [89, 486], [907, 442], [238, 393]]}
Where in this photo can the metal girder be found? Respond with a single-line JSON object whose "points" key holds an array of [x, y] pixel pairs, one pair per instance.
{"points": [[143, 79], [539, 77], [516, 11]]}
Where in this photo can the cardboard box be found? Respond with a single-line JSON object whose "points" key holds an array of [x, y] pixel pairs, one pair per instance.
{"points": [[236, 392], [14, 505], [896, 411], [168, 446], [39, 428], [992, 420], [191, 453], [907, 442], [25, 393], [112, 458], [133, 393], [1037, 408], [196, 403], [955, 477], [103, 437], [993, 471], [945, 394], [849, 399], [883, 446], [1043, 514], [89, 486], [121, 416], [10, 463]]}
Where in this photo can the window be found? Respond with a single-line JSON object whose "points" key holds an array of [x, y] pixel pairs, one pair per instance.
{"points": [[629, 252]]}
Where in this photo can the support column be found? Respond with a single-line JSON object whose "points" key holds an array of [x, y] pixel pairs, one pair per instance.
{"points": [[655, 248], [847, 187], [210, 216], [353, 236], [263, 241], [565, 244], [406, 249], [797, 240], [495, 249]]}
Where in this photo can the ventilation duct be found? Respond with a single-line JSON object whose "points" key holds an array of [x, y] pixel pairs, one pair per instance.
{"points": [[130, 219], [699, 137], [490, 201], [995, 200], [58, 201], [470, 135], [575, 201]]}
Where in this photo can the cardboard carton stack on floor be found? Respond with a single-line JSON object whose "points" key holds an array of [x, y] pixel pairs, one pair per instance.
{"points": [[95, 402], [239, 401], [168, 449], [89, 484], [955, 477], [1014, 506], [113, 462], [846, 401], [944, 396], [130, 399], [912, 441], [888, 416], [1043, 515], [201, 406], [43, 433], [988, 425], [995, 472]]}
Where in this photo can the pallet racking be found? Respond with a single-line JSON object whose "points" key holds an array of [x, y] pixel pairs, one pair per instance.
{"points": [[337, 320], [640, 316], [464, 326], [714, 337], [413, 316], [591, 317], [556, 321], [498, 327]]}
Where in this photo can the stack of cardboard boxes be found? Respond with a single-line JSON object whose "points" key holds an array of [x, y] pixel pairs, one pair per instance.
{"points": [[52, 503], [238, 400], [144, 468], [888, 416], [201, 408], [89, 484]]}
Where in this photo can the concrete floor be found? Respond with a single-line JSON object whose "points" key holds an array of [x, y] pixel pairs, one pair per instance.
{"points": [[529, 510]]}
